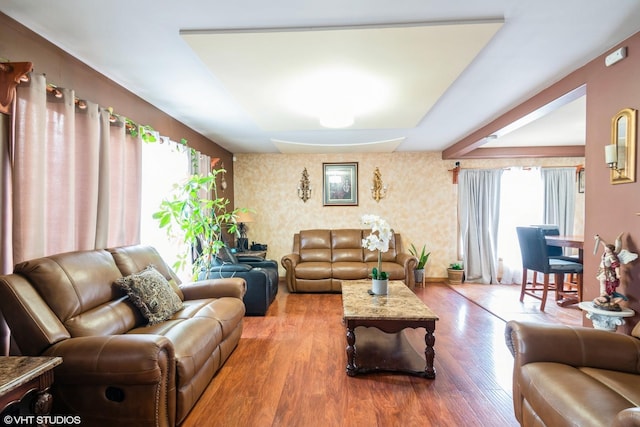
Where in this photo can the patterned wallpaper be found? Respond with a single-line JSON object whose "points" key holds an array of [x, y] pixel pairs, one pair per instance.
{"points": [[420, 203]]}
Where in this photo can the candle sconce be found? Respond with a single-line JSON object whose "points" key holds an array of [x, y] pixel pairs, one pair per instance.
{"points": [[620, 155], [304, 187], [379, 190]]}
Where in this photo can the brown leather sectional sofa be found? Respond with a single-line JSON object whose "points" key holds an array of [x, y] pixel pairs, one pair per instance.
{"points": [[574, 376], [117, 370], [322, 259]]}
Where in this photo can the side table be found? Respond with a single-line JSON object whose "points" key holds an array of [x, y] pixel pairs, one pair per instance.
{"points": [[21, 375], [258, 254], [605, 319]]}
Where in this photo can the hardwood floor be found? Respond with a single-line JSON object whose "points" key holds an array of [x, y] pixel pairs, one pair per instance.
{"points": [[289, 368]]}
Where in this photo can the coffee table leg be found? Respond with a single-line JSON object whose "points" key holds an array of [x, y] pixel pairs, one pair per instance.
{"points": [[351, 352], [429, 352]]}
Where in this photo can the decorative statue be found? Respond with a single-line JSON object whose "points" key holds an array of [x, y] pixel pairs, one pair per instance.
{"points": [[609, 273]]}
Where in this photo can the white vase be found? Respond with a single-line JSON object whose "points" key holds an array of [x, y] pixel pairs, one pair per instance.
{"points": [[379, 286]]}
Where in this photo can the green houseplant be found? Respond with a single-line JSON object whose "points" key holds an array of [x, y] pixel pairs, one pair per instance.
{"points": [[194, 213], [423, 257], [455, 273]]}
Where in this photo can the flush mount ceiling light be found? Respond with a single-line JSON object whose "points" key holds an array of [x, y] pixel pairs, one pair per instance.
{"points": [[336, 95], [346, 67]]}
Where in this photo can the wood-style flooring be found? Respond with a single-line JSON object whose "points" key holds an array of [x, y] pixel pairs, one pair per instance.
{"points": [[289, 367]]}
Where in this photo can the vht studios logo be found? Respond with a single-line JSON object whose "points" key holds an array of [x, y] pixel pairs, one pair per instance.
{"points": [[51, 420]]}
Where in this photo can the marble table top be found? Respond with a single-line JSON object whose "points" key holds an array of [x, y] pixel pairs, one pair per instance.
{"points": [[18, 370], [400, 303]]}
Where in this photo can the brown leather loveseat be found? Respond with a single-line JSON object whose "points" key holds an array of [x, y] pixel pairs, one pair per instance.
{"points": [[574, 376], [118, 368], [322, 259]]}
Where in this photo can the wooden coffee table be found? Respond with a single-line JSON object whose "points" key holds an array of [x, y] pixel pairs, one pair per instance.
{"points": [[379, 322]]}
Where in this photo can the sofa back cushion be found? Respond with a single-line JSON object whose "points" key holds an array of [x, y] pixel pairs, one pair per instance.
{"points": [[315, 246], [346, 246], [133, 259], [79, 288], [34, 326]]}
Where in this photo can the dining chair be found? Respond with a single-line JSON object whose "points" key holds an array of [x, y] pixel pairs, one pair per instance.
{"points": [[535, 257], [557, 252]]}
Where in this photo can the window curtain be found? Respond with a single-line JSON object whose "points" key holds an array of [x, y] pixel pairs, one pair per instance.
{"points": [[6, 253], [479, 214], [520, 204], [559, 197], [76, 175]]}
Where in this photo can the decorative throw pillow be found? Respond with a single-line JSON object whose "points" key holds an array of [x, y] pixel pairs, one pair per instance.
{"points": [[152, 294]]}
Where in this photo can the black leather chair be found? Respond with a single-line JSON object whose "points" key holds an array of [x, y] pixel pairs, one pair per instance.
{"points": [[260, 274], [555, 251], [535, 257]]}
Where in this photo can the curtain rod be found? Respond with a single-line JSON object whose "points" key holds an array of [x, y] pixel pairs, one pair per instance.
{"points": [[456, 170]]}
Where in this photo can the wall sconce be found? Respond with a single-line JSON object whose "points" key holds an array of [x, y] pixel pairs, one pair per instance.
{"points": [[611, 158], [304, 187], [620, 155], [379, 190]]}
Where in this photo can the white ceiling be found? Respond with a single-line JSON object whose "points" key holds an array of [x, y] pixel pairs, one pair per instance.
{"points": [[216, 66]]}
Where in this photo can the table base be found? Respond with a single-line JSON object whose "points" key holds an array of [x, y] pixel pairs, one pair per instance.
{"points": [[370, 349]]}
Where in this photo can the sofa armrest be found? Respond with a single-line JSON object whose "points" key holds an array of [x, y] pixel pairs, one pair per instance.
{"points": [[289, 263], [115, 359], [572, 345], [409, 263], [105, 379], [627, 418], [407, 260], [234, 287]]}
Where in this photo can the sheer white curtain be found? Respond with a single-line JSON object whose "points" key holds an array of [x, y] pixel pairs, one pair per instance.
{"points": [[479, 214], [164, 164], [75, 177], [520, 204], [559, 197]]}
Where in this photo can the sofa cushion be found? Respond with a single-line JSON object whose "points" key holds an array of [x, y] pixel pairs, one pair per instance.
{"points": [[550, 390], [68, 286], [152, 294], [132, 259], [315, 246], [313, 270], [346, 246]]}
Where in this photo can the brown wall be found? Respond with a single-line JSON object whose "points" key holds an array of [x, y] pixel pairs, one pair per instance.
{"points": [[611, 209], [19, 44]]}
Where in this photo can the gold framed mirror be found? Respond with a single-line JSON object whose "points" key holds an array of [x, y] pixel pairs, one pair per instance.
{"points": [[623, 137]]}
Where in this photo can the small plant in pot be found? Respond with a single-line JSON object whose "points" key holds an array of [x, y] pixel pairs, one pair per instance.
{"points": [[455, 273], [423, 257]]}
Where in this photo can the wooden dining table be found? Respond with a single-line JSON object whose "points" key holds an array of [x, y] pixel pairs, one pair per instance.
{"points": [[568, 242]]}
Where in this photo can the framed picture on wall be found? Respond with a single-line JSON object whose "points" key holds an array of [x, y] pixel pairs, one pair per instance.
{"points": [[340, 184]]}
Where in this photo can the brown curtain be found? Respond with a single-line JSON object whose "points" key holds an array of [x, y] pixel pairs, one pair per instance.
{"points": [[76, 175]]}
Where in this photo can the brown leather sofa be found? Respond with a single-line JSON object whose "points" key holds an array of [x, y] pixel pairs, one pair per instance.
{"points": [[322, 259], [574, 376], [117, 370]]}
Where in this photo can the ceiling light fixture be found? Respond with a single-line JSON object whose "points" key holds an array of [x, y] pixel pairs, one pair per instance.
{"points": [[335, 96]]}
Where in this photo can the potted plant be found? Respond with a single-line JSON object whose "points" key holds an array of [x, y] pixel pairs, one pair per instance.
{"points": [[423, 257], [378, 239], [455, 273], [194, 213]]}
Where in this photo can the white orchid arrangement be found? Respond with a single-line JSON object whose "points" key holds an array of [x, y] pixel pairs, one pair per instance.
{"points": [[379, 238]]}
